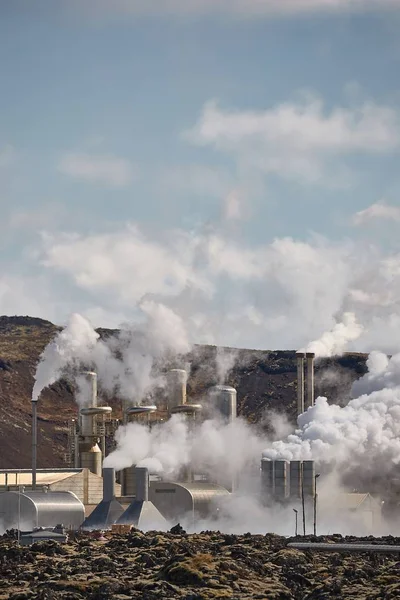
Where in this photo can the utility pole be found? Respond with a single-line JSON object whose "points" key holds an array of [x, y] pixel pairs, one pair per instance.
{"points": [[315, 502], [295, 520], [302, 499], [34, 443]]}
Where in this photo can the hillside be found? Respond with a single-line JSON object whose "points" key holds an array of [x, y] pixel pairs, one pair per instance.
{"points": [[264, 380]]}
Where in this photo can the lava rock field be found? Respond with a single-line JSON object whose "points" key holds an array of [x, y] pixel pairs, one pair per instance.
{"points": [[204, 566]]}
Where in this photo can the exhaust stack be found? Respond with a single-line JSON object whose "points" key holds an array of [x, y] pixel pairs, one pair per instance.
{"points": [[109, 510], [300, 382], [310, 379], [176, 388], [141, 512], [90, 455]]}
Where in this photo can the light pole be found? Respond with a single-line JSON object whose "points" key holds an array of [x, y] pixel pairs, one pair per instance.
{"points": [[295, 520], [315, 502], [34, 443], [302, 499]]}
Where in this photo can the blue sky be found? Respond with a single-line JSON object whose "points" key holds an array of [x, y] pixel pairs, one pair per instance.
{"points": [[253, 126]]}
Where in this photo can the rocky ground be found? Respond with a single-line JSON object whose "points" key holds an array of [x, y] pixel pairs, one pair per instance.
{"points": [[204, 566]]}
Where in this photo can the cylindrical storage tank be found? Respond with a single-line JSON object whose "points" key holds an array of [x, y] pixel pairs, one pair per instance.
{"points": [[309, 478], [281, 479], [295, 479], [27, 510], [176, 388], [129, 481], [267, 478], [142, 484], [91, 459], [223, 399]]}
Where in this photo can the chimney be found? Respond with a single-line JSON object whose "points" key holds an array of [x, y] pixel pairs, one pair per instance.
{"points": [[300, 382], [310, 380], [176, 388], [141, 512], [142, 484], [108, 484], [109, 510]]}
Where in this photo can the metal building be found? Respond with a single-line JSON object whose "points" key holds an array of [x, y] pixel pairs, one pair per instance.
{"points": [[195, 499], [87, 486], [27, 510]]}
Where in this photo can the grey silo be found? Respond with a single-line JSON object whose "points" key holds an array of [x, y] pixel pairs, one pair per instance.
{"points": [[309, 478], [295, 479]]}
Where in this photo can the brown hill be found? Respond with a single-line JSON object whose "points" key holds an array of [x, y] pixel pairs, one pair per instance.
{"points": [[265, 380]]}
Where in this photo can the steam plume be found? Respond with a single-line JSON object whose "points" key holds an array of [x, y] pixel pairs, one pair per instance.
{"points": [[334, 342], [124, 363], [362, 437]]}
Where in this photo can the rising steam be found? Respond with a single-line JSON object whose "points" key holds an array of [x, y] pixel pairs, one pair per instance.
{"points": [[362, 437], [334, 342], [124, 363]]}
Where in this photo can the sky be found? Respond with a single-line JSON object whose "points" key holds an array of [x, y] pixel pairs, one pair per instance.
{"points": [[235, 160]]}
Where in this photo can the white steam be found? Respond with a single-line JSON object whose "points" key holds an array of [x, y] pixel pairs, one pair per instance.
{"points": [[334, 342], [70, 348], [213, 448], [124, 363], [363, 436], [225, 361]]}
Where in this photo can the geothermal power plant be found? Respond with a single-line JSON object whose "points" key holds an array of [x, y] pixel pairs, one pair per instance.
{"points": [[90, 496]]}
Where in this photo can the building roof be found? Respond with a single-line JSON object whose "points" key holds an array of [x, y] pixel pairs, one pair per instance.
{"points": [[12, 478], [354, 501]]}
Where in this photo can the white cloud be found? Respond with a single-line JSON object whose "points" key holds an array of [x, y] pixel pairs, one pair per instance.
{"points": [[297, 140], [379, 210], [99, 169], [256, 8], [126, 261]]}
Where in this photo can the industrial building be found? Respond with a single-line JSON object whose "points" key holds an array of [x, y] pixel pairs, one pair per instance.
{"points": [[87, 495]]}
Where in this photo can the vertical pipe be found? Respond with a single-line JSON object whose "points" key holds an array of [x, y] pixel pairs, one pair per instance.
{"points": [[34, 443], [300, 383], [142, 484], [310, 379], [108, 484], [302, 499], [176, 388]]}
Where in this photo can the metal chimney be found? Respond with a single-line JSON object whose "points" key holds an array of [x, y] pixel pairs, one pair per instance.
{"points": [[267, 479], [109, 510], [310, 379], [281, 479], [141, 512], [300, 382], [108, 484], [142, 484], [295, 479], [176, 388]]}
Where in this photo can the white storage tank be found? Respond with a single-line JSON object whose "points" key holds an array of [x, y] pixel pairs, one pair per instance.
{"points": [[223, 401], [27, 510]]}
